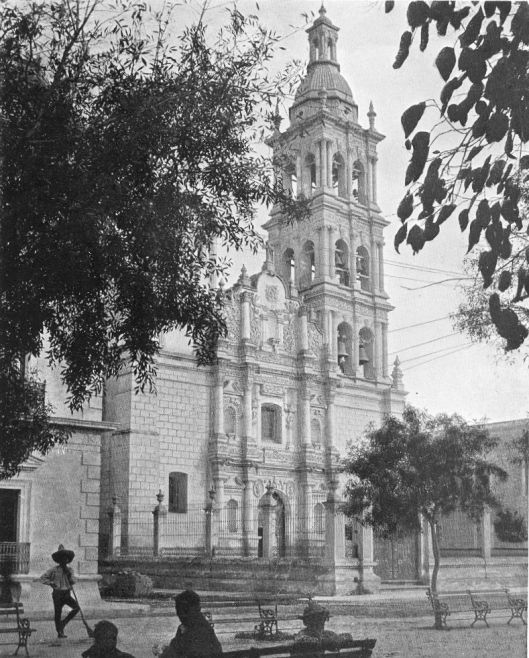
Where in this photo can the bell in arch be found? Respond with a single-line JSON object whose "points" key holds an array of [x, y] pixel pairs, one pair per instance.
{"points": [[362, 355], [343, 354]]}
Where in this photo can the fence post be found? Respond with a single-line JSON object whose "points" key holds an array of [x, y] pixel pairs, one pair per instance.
{"points": [[114, 535], [266, 511], [160, 515], [211, 525]]}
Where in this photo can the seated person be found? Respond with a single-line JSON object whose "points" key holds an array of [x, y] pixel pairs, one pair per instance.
{"points": [[105, 642], [314, 634], [195, 638]]}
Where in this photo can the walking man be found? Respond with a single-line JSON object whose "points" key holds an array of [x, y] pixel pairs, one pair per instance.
{"points": [[61, 579]]}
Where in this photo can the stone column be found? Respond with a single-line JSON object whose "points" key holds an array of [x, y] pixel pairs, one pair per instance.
{"points": [[324, 252], [249, 540], [329, 164], [268, 531], [159, 525], [219, 405], [299, 174], [305, 416], [374, 180], [384, 349], [378, 349], [330, 438], [305, 522], [369, 580], [331, 335], [334, 528], [303, 336], [332, 273], [321, 148], [374, 266], [381, 267], [114, 535], [256, 413], [245, 316], [247, 412]]}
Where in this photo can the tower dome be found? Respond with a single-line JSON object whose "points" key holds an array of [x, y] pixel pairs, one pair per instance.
{"points": [[323, 71]]}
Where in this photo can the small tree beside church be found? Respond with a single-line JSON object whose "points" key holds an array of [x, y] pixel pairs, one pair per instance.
{"points": [[420, 466]]}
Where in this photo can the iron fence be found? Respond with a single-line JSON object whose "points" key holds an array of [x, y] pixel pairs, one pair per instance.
{"points": [[14, 557]]}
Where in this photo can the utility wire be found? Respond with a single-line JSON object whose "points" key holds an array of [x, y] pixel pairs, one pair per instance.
{"points": [[426, 342], [418, 324], [396, 263], [457, 349], [422, 356]]}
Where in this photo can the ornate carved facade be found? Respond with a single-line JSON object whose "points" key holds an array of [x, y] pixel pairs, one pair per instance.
{"points": [[303, 368]]}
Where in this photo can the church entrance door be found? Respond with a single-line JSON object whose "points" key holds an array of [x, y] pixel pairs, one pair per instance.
{"points": [[271, 511], [397, 557]]}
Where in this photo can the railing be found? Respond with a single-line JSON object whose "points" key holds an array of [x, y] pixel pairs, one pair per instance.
{"points": [[14, 557]]}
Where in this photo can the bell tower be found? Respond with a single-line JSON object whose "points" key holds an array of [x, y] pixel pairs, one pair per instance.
{"points": [[334, 258]]}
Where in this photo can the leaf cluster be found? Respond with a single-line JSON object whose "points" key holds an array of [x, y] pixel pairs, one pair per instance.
{"points": [[484, 173], [510, 526], [126, 158], [420, 465]]}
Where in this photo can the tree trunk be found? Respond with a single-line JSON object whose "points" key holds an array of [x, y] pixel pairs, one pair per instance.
{"points": [[433, 582]]}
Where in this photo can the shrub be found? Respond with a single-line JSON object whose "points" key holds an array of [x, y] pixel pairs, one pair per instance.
{"points": [[129, 584], [510, 527]]}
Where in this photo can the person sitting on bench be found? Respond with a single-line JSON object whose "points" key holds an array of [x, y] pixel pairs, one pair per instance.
{"points": [[314, 634], [105, 642]]}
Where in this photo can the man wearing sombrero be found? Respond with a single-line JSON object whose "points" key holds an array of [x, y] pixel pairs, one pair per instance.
{"points": [[61, 579]]}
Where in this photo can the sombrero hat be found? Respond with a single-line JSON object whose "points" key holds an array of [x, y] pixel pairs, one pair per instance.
{"points": [[62, 555]]}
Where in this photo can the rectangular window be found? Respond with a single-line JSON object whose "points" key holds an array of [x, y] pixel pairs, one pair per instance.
{"points": [[178, 493], [270, 424]]}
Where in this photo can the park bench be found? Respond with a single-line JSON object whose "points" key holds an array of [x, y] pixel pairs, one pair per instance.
{"points": [[479, 603], [22, 628], [267, 626], [349, 649], [481, 606]]}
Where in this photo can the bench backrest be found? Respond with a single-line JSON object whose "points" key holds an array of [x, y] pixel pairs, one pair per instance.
{"points": [[349, 649]]}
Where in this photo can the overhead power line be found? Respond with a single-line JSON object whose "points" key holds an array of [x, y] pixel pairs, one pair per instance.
{"points": [[426, 342], [418, 324], [457, 349], [422, 268], [423, 356]]}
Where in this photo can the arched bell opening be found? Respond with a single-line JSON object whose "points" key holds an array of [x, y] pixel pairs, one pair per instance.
{"points": [[358, 182], [338, 175], [341, 263], [363, 268], [308, 265], [365, 352], [345, 348], [288, 269], [310, 174]]}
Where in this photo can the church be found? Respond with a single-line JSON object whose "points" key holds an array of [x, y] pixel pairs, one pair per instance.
{"points": [[228, 477], [253, 443]]}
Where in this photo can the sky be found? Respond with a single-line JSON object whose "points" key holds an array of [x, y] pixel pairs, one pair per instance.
{"points": [[443, 371]]}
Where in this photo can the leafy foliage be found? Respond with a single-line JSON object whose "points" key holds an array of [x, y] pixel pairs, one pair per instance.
{"points": [[484, 103], [510, 526], [420, 466], [127, 159], [25, 420]]}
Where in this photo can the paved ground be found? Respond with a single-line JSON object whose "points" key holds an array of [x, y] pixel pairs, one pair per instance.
{"points": [[396, 638]]}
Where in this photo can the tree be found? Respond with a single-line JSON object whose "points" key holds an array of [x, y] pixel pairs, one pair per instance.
{"points": [[473, 158], [127, 159], [420, 466]]}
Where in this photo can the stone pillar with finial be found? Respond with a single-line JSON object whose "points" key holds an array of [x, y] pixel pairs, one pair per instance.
{"points": [[159, 525], [211, 524], [114, 534], [396, 375], [371, 115]]}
